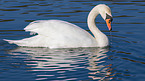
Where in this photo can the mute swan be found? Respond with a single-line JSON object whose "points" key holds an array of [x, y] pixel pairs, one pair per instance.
{"points": [[62, 34]]}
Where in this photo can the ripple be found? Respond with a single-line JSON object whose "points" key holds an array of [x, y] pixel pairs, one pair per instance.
{"points": [[9, 9], [19, 6], [133, 60], [124, 16], [128, 3], [6, 20]]}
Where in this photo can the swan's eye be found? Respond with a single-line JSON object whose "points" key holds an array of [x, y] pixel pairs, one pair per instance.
{"points": [[109, 21], [109, 17]]}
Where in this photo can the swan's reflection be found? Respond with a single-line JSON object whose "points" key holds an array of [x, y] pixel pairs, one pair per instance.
{"points": [[62, 60], [99, 71]]}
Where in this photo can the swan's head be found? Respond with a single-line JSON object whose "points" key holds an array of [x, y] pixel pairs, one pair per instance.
{"points": [[105, 12]]}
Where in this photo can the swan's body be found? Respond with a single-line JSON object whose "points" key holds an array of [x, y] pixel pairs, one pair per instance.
{"points": [[62, 34], [51, 34]]}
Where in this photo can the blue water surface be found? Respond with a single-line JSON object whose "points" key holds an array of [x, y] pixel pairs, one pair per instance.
{"points": [[123, 60]]}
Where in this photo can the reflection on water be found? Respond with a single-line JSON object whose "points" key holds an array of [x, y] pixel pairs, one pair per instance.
{"points": [[59, 62], [97, 69]]}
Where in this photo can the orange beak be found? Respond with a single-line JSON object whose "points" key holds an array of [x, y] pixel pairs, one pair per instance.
{"points": [[108, 22]]}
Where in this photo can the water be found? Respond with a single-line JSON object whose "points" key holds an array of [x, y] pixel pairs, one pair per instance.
{"points": [[124, 60]]}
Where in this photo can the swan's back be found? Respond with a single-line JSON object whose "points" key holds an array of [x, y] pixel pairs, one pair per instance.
{"points": [[53, 27], [56, 34]]}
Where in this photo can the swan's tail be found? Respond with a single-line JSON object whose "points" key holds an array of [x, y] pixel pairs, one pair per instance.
{"points": [[18, 42], [34, 41], [23, 42]]}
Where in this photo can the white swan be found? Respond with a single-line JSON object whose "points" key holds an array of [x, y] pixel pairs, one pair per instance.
{"points": [[62, 34]]}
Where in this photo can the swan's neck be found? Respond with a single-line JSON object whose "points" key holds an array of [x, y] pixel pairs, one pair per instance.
{"points": [[100, 37]]}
